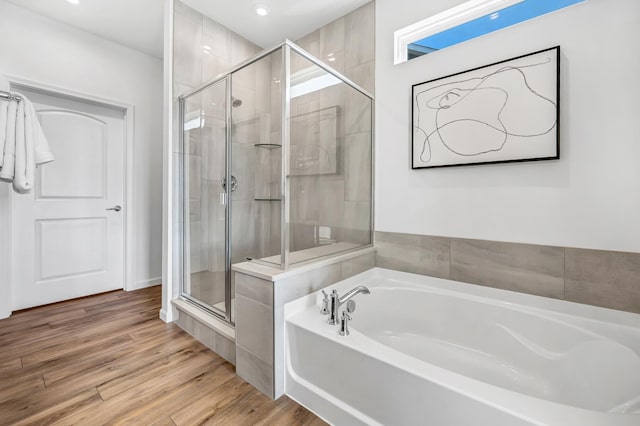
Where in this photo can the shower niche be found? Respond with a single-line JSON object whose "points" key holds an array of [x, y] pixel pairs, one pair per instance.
{"points": [[283, 173]]}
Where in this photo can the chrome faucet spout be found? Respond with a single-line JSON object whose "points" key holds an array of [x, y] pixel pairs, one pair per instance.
{"points": [[335, 301], [360, 289]]}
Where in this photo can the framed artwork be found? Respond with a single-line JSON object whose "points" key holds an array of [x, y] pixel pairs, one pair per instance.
{"points": [[508, 111], [314, 142]]}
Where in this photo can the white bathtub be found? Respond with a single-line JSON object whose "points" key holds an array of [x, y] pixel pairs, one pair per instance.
{"points": [[427, 351]]}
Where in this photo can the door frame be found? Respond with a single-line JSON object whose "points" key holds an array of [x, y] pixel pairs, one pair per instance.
{"points": [[5, 198]]}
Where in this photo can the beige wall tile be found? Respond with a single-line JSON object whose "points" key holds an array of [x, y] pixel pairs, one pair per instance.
{"points": [[603, 278], [243, 230], [435, 256], [199, 331], [358, 264], [332, 38], [364, 75], [241, 49], [358, 167], [331, 206], [216, 224], [254, 328], [197, 256], [360, 36], [349, 41], [254, 288], [217, 58], [188, 12], [418, 254], [226, 348], [519, 267], [357, 222], [243, 167], [357, 113], [214, 150], [300, 285], [255, 371], [187, 47], [400, 252]]}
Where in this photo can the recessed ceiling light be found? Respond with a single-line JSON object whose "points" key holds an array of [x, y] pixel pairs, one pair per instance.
{"points": [[261, 9], [74, 1]]}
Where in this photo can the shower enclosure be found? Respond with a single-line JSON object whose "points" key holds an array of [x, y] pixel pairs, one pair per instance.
{"points": [[283, 171]]}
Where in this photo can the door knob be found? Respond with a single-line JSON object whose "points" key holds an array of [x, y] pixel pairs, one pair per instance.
{"points": [[116, 208], [234, 183]]}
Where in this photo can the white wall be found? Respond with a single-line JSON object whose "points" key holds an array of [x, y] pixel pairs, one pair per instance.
{"points": [[590, 198], [39, 49]]}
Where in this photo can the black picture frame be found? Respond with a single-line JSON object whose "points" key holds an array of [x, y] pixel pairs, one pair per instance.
{"points": [[526, 86]]}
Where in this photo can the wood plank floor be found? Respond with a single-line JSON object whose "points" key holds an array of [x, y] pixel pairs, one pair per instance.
{"points": [[108, 359]]}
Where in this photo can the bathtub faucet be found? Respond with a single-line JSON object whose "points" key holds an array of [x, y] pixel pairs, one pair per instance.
{"points": [[335, 301]]}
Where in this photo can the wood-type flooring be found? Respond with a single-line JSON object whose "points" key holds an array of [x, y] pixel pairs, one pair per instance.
{"points": [[108, 359]]}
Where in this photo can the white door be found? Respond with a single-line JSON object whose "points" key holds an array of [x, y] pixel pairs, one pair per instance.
{"points": [[66, 242]]}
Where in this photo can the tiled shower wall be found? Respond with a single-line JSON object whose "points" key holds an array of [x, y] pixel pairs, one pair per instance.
{"points": [[204, 49], [595, 277], [339, 198]]}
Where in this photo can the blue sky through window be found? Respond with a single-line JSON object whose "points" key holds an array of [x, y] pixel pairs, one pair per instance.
{"points": [[495, 21]]}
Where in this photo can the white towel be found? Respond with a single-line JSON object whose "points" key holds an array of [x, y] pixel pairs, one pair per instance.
{"points": [[9, 156], [32, 148], [24, 166], [4, 109], [25, 146], [42, 153]]}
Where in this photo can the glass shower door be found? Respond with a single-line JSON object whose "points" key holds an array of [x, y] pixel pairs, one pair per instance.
{"points": [[206, 260]]}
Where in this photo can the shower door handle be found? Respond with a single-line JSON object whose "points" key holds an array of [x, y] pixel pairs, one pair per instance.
{"points": [[234, 183]]}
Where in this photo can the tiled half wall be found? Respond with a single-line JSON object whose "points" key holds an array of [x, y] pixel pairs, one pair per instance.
{"points": [[602, 278], [260, 313]]}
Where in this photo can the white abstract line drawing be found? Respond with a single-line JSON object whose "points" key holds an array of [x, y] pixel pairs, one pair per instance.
{"points": [[475, 115]]}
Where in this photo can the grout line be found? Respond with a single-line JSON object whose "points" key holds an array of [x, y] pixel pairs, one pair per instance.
{"points": [[450, 256], [564, 273]]}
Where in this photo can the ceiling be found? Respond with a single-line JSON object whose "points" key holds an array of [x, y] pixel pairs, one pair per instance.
{"points": [[139, 23], [134, 23], [290, 19]]}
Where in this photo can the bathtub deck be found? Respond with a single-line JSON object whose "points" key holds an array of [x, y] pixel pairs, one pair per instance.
{"points": [[109, 359]]}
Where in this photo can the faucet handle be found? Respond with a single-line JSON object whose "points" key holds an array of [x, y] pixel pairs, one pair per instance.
{"points": [[344, 324], [325, 304]]}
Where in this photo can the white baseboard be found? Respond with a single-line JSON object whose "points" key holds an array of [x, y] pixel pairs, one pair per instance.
{"points": [[146, 283], [163, 315]]}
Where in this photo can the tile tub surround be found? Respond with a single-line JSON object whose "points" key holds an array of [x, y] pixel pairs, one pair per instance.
{"points": [[261, 293], [595, 277]]}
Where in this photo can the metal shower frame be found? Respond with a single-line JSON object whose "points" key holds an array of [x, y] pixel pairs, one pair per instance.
{"points": [[287, 46]]}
